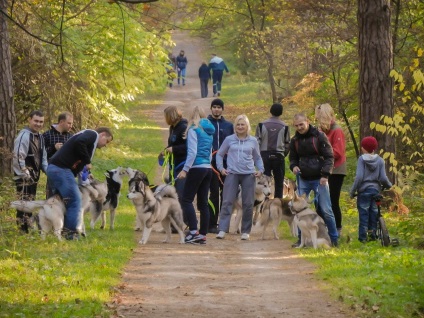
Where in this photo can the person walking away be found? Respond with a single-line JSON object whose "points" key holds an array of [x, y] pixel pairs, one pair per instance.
{"points": [[217, 65], [369, 180], [29, 159], [177, 146], [198, 172], [223, 129], [311, 160], [243, 156], [327, 123], [204, 76], [274, 140], [55, 137], [181, 67], [66, 164]]}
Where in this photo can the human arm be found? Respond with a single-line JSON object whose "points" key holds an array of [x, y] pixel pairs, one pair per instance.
{"points": [[258, 133], [258, 160], [20, 152], [191, 149], [293, 157], [338, 142], [220, 157], [384, 180], [286, 141], [358, 177], [326, 152]]}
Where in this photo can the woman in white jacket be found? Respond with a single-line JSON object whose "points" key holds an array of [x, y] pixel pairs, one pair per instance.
{"points": [[243, 156]]}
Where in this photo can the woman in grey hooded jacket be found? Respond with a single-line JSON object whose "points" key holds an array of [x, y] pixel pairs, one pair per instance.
{"points": [[243, 156]]}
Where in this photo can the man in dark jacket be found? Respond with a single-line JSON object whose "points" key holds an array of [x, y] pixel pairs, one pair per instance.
{"points": [[312, 160], [205, 76], [223, 128], [217, 65], [65, 165], [181, 67], [29, 159]]}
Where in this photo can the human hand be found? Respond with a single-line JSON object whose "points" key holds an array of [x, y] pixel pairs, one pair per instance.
{"points": [[58, 145], [224, 172], [26, 176], [258, 174], [182, 175], [296, 170], [323, 181], [169, 149]]}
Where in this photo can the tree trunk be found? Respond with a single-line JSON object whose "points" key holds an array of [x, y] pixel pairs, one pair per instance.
{"points": [[376, 61], [7, 109]]}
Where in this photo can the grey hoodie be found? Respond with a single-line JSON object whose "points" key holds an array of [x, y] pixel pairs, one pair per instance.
{"points": [[242, 155], [370, 173]]}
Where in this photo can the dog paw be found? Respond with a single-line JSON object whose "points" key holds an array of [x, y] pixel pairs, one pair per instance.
{"points": [[142, 242]]}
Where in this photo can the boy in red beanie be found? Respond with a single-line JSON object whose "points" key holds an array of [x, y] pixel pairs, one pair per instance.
{"points": [[370, 178]]}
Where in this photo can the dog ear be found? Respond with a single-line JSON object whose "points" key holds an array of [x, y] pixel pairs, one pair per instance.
{"points": [[142, 187]]}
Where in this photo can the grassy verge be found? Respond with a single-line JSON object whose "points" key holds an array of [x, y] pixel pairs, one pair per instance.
{"points": [[76, 278]]}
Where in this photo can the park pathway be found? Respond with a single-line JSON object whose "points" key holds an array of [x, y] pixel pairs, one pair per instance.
{"points": [[224, 278]]}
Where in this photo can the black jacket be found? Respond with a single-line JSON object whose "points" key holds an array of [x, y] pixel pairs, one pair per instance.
{"points": [[312, 153], [204, 72], [178, 143]]}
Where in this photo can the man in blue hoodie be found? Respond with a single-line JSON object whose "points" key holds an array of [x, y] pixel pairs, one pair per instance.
{"points": [[223, 128], [217, 65]]}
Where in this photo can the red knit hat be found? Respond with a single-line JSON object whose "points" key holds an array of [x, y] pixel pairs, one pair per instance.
{"points": [[369, 143]]}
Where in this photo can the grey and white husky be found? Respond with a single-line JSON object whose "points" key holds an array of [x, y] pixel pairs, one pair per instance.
{"points": [[161, 206]]}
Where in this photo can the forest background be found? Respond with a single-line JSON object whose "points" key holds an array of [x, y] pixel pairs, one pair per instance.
{"points": [[98, 58]]}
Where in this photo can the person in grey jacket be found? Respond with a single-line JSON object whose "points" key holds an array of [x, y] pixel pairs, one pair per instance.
{"points": [[29, 159], [370, 178], [243, 156]]}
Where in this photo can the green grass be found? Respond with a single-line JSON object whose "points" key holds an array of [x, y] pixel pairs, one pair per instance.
{"points": [[76, 278]]}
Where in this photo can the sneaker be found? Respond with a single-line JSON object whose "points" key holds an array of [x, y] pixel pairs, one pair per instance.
{"points": [[220, 235], [200, 239], [219, 93], [191, 238], [245, 237], [297, 244]]}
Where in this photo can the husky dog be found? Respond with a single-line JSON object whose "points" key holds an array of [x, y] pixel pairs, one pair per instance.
{"points": [[262, 191], [51, 213], [275, 210], [161, 206], [310, 223], [135, 176]]}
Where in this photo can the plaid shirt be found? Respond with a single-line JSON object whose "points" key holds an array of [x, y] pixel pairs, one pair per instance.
{"points": [[52, 137]]}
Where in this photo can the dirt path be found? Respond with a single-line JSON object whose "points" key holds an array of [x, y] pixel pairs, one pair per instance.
{"points": [[224, 278]]}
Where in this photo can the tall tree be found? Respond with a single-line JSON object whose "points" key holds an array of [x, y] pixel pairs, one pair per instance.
{"points": [[376, 61], [7, 112]]}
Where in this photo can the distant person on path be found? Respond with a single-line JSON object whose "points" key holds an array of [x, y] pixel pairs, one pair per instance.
{"points": [[243, 156], [274, 141], [181, 67], [312, 160], [223, 129], [67, 163], [204, 76], [369, 180], [56, 136], [198, 172], [29, 159], [327, 123], [177, 146], [217, 65]]}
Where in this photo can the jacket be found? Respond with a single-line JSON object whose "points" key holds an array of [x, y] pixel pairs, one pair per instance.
{"points": [[52, 137], [29, 153], [181, 62], [370, 173], [77, 152], [204, 72], [312, 153], [178, 143], [199, 145], [273, 135], [242, 155], [337, 140], [217, 64]]}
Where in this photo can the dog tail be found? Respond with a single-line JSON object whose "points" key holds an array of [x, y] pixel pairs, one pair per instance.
{"points": [[27, 206], [166, 190]]}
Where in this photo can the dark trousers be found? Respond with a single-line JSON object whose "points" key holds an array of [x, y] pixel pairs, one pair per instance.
{"points": [[27, 193], [204, 87], [216, 80], [274, 164], [215, 198], [335, 182], [197, 183]]}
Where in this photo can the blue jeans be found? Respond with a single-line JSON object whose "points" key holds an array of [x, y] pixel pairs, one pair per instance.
{"points": [[63, 181], [197, 182], [216, 80], [181, 74], [367, 209], [322, 195]]}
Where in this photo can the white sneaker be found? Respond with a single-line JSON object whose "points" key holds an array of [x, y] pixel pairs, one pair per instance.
{"points": [[220, 235], [245, 236]]}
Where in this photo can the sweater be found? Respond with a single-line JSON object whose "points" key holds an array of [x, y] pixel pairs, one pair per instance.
{"points": [[217, 64], [337, 140], [242, 155]]}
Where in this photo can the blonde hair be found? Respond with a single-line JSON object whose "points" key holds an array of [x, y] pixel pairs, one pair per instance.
{"points": [[172, 115], [246, 120], [193, 122], [324, 114]]}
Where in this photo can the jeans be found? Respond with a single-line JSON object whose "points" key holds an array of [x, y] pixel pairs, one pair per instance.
{"points": [[197, 182], [367, 209], [274, 163], [181, 74], [216, 80], [322, 195], [204, 87], [62, 180], [231, 184]]}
